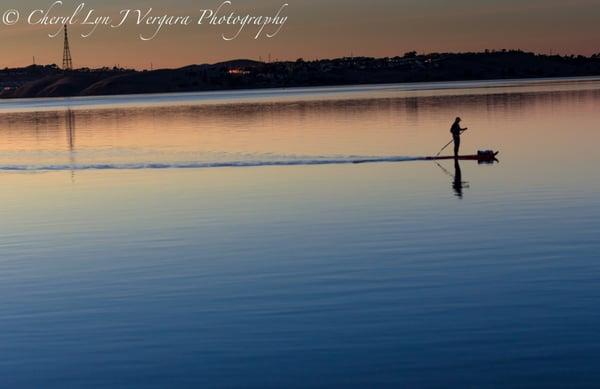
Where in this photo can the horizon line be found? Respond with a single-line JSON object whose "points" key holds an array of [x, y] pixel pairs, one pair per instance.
{"points": [[316, 59]]}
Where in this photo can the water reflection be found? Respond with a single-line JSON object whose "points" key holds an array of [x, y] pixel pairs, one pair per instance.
{"points": [[379, 125], [348, 123], [70, 127], [252, 264], [458, 185]]}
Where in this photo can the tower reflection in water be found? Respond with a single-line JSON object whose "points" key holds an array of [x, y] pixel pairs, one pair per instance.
{"points": [[70, 129]]}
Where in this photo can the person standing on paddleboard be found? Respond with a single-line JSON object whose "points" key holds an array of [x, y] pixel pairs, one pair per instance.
{"points": [[456, 131]]}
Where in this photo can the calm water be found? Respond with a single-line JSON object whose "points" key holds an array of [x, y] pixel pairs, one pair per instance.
{"points": [[228, 241]]}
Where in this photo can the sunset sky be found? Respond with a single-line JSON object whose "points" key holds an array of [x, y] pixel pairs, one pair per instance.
{"points": [[315, 29]]}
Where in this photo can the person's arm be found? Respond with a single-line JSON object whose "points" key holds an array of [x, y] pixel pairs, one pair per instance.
{"points": [[464, 129]]}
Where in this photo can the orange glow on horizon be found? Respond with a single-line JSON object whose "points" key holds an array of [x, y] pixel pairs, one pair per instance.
{"points": [[315, 30]]}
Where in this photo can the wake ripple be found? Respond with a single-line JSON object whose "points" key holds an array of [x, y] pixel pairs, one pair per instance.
{"points": [[206, 165]]}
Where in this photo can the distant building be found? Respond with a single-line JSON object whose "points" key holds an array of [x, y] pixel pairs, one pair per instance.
{"points": [[238, 71]]}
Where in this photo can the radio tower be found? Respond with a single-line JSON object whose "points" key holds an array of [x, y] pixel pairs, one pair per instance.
{"points": [[67, 61]]}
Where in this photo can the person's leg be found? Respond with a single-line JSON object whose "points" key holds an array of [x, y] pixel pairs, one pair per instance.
{"points": [[456, 145]]}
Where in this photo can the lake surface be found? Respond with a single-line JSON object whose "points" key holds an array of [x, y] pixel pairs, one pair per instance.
{"points": [[227, 240]]}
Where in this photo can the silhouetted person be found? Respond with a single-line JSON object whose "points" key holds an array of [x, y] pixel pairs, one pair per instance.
{"points": [[456, 131], [457, 184]]}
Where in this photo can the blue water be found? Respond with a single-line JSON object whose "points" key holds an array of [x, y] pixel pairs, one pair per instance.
{"points": [[327, 275]]}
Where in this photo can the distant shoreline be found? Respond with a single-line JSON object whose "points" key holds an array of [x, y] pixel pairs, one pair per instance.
{"points": [[50, 81]]}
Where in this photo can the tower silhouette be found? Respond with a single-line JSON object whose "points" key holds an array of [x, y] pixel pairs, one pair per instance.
{"points": [[67, 61]]}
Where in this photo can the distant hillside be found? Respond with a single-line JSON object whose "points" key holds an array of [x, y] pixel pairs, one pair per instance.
{"points": [[49, 81]]}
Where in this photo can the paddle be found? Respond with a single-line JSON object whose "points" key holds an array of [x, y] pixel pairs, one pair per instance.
{"points": [[449, 143]]}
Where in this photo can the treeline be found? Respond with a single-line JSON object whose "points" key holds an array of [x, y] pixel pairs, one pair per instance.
{"points": [[48, 81]]}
